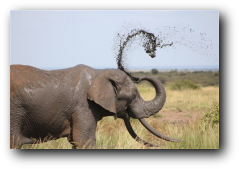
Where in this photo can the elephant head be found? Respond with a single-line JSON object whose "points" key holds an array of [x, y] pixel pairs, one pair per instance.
{"points": [[116, 92]]}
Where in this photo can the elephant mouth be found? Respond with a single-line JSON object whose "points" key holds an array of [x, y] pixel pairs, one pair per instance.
{"points": [[128, 125], [129, 113]]}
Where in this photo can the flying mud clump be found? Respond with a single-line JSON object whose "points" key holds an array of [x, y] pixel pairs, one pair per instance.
{"points": [[148, 40]]}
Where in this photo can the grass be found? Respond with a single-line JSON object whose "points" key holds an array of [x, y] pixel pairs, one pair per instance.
{"points": [[184, 84], [61, 143], [197, 77], [191, 100], [197, 135], [200, 133]]}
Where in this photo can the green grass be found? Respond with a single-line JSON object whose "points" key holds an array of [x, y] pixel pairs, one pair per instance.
{"points": [[199, 135], [61, 143], [184, 84], [203, 134]]}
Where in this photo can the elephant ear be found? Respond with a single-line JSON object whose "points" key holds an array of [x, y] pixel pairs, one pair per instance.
{"points": [[103, 92]]}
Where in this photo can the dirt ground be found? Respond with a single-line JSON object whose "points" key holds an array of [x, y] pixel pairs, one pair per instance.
{"points": [[178, 117]]}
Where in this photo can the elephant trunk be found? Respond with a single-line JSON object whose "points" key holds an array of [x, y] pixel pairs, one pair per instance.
{"points": [[152, 107]]}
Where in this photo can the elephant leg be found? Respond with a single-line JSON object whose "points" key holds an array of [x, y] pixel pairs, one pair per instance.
{"points": [[70, 139], [17, 141], [83, 132]]}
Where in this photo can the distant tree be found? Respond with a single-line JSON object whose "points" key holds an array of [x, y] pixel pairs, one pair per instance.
{"points": [[154, 71]]}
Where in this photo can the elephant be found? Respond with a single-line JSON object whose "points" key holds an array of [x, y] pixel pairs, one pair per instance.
{"points": [[69, 103]]}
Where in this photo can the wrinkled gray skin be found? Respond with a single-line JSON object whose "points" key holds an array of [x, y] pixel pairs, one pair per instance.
{"points": [[70, 102]]}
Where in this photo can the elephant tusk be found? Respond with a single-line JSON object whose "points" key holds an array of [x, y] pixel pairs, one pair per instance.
{"points": [[134, 135], [156, 133]]}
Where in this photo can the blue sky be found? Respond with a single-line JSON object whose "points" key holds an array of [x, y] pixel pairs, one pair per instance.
{"points": [[60, 39]]}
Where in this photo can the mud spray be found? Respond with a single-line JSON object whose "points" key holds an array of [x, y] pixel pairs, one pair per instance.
{"points": [[148, 40], [167, 36]]}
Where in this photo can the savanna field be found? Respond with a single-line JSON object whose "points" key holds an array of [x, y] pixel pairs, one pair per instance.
{"points": [[191, 114]]}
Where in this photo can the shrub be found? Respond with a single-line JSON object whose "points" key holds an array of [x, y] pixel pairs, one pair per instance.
{"points": [[216, 74], [162, 79], [212, 116], [184, 84], [154, 71]]}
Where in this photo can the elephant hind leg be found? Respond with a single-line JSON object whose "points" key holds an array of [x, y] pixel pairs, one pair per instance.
{"points": [[17, 141]]}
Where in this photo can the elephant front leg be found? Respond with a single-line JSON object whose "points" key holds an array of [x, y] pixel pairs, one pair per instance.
{"points": [[83, 132], [17, 141]]}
